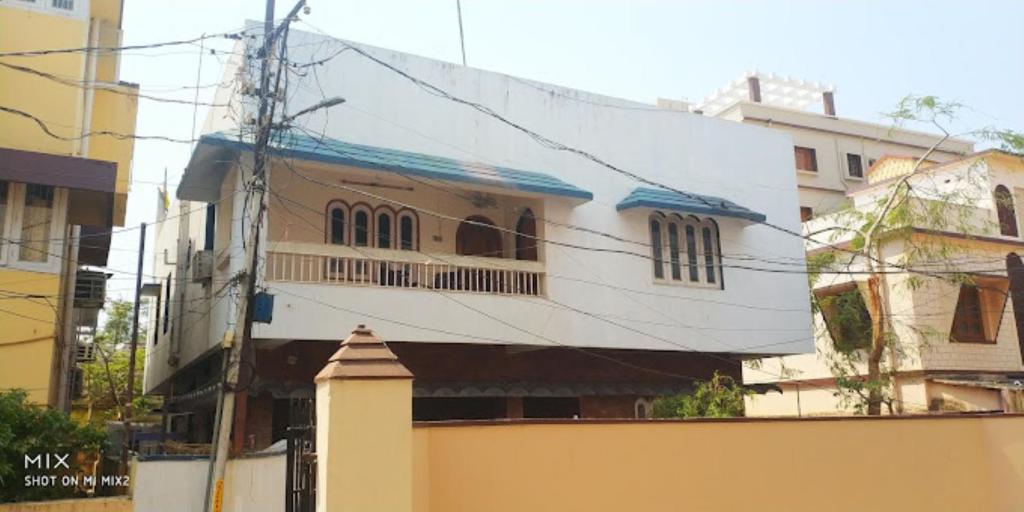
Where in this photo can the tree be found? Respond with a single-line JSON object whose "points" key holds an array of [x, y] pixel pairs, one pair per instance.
{"points": [[26, 429], [720, 397], [105, 380], [890, 219]]}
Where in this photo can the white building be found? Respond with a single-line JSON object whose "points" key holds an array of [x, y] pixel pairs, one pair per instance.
{"points": [[513, 279], [832, 154]]}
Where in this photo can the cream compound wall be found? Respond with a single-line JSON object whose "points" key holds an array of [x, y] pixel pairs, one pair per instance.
{"points": [[923, 464]]}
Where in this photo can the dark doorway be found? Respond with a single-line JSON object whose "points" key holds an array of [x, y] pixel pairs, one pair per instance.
{"points": [[1015, 270], [551, 407], [526, 237], [477, 236]]}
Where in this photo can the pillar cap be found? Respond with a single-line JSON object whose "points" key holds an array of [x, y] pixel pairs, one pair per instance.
{"points": [[363, 356]]}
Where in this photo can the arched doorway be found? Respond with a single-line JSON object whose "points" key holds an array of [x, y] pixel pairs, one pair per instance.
{"points": [[1015, 270], [526, 237], [478, 236]]}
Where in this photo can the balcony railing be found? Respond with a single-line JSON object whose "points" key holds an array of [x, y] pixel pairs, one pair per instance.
{"points": [[382, 268]]}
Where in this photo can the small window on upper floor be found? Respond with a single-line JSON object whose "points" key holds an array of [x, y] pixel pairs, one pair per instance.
{"points": [[979, 309], [1005, 211], [36, 220], [846, 317], [360, 226], [691, 253], [408, 230], [854, 166], [67, 5], [806, 213], [385, 228], [806, 159]]}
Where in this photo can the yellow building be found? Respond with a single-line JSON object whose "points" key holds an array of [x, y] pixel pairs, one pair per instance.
{"points": [[61, 190], [961, 343]]}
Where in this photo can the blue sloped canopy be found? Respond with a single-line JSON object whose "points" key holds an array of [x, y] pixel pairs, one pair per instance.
{"points": [[327, 150], [643, 197]]}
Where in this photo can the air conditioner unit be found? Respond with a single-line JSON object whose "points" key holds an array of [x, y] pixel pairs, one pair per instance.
{"points": [[202, 266], [90, 289], [86, 352]]}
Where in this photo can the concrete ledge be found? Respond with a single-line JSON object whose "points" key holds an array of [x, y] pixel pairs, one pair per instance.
{"points": [[113, 504]]}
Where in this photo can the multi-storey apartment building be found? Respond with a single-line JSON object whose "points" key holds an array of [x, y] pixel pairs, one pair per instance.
{"points": [[61, 190], [959, 320], [832, 154], [512, 279]]}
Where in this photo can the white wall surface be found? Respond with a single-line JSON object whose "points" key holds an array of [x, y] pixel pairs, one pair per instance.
{"points": [[752, 166], [252, 484]]}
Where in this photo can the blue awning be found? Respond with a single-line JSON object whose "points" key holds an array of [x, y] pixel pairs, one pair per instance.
{"points": [[644, 197], [303, 147]]}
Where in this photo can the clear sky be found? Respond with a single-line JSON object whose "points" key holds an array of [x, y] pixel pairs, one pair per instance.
{"points": [[874, 52]]}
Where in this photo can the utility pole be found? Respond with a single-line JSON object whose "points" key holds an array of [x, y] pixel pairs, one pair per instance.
{"points": [[462, 38], [239, 342], [133, 345]]}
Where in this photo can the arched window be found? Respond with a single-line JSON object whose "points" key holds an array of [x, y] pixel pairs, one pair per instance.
{"points": [[1005, 211], [385, 228], [643, 408], [691, 253], [408, 231], [673, 248], [694, 255], [478, 236], [526, 237], [709, 246], [656, 247], [337, 215], [361, 226]]}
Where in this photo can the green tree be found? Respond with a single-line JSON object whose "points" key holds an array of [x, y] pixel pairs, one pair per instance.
{"points": [[105, 380], [26, 429], [720, 397], [870, 340]]}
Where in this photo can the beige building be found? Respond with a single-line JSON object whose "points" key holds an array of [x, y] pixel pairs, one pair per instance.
{"points": [[832, 154], [961, 345]]}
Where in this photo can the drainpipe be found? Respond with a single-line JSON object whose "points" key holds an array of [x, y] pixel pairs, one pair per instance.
{"points": [[88, 92]]}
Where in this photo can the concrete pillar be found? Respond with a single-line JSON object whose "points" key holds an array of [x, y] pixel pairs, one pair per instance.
{"points": [[364, 429]]}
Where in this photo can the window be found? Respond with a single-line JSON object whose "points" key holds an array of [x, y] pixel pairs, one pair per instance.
{"points": [[37, 216], [408, 231], [979, 309], [159, 301], [211, 223], [67, 5], [691, 253], [167, 304], [806, 159], [360, 226], [526, 237], [708, 247], [673, 247], [32, 226], [659, 267], [337, 227], [846, 317], [692, 245], [806, 213], [643, 408], [854, 166], [385, 228], [1005, 211], [4, 187]]}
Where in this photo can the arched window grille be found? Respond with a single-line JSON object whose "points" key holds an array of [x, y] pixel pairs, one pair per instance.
{"points": [[1005, 211]]}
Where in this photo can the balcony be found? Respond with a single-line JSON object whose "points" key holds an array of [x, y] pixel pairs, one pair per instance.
{"points": [[337, 265]]}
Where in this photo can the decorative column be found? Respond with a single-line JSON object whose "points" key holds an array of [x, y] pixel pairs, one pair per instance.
{"points": [[364, 429]]}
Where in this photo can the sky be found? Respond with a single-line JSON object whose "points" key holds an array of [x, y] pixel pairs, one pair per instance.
{"points": [[873, 52]]}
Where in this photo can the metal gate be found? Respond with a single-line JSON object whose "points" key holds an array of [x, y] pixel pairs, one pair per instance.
{"points": [[300, 486]]}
